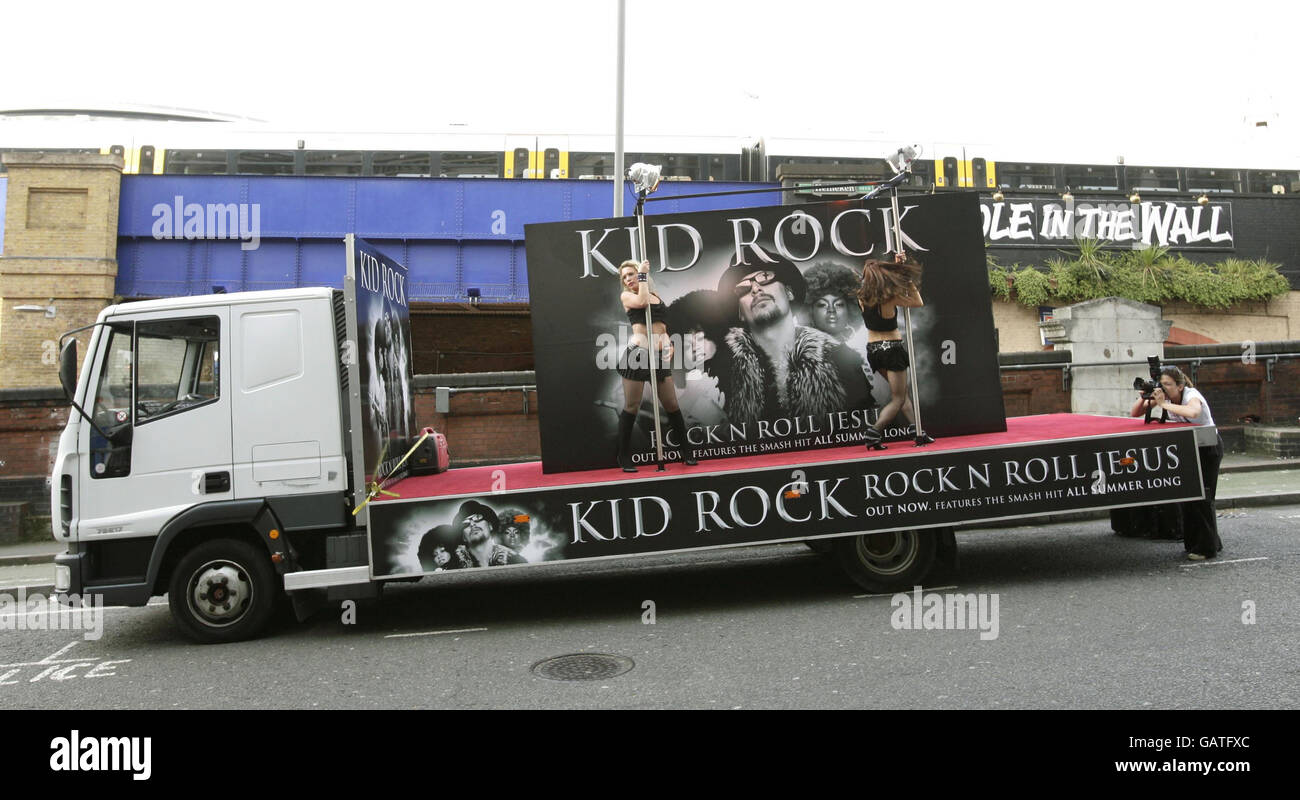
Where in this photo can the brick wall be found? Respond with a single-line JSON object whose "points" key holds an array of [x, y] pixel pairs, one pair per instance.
{"points": [[60, 250], [1029, 389], [30, 422], [1236, 389], [456, 338], [485, 426], [1278, 442]]}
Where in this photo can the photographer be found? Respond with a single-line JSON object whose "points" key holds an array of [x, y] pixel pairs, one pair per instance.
{"points": [[1177, 396]]}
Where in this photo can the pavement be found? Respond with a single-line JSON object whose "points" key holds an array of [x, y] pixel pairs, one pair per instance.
{"points": [[1244, 480]]}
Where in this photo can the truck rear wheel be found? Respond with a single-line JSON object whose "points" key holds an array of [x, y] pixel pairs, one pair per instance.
{"points": [[889, 561], [223, 591]]}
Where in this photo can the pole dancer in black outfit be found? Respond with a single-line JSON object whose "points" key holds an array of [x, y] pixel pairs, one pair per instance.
{"points": [[634, 362], [885, 288]]}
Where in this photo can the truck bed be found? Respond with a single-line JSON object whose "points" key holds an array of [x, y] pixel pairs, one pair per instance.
{"points": [[1039, 465], [1045, 428]]}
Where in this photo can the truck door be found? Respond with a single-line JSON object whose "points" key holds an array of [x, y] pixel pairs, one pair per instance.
{"points": [[162, 396], [284, 390]]}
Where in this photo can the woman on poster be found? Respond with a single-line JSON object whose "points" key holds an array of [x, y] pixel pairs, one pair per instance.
{"points": [[884, 289], [1179, 397], [634, 362]]}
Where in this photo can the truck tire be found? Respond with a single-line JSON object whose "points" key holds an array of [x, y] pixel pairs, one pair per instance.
{"points": [[887, 562], [223, 591]]}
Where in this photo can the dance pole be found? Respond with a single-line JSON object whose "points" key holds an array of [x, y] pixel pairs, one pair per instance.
{"points": [[618, 110], [907, 323], [650, 331]]}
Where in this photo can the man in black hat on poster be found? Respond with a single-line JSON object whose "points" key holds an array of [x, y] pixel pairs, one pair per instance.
{"points": [[478, 525], [780, 368]]}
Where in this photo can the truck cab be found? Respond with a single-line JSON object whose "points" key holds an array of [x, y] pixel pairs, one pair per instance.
{"points": [[207, 448]]}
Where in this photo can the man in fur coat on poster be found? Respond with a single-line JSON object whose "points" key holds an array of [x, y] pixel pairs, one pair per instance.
{"points": [[780, 368]]}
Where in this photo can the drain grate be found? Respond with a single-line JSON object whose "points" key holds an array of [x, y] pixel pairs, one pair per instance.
{"points": [[582, 667]]}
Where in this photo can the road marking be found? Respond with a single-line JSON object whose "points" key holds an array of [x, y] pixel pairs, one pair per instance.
{"points": [[891, 594], [61, 669], [1212, 562], [50, 659], [431, 633]]}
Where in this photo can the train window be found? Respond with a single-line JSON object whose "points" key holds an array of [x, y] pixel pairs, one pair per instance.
{"points": [[922, 174], [470, 165], [332, 162], [1153, 179], [591, 165], [196, 162], [405, 165], [264, 162], [1262, 180], [1091, 176], [1211, 180], [1026, 176], [724, 168]]}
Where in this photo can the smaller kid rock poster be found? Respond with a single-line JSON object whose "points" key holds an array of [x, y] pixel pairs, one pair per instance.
{"points": [[428, 537], [766, 347], [926, 488], [380, 362]]}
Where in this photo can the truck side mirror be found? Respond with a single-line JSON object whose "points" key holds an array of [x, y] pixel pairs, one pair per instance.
{"points": [[68, 367]]}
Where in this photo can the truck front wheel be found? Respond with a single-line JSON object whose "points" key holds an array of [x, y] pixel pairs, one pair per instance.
{"points": [[223, 591], [887, 562]]}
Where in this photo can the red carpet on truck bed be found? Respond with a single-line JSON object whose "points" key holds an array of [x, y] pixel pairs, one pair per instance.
{"points": [[529, 475]]}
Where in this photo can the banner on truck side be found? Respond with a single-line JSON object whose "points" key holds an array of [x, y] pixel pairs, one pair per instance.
{"points": [[380, 364], [784, 369], [920, 489]]}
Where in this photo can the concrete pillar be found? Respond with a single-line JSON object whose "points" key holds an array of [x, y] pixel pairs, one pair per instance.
{"points": [[1109, 330], [60, 253]]}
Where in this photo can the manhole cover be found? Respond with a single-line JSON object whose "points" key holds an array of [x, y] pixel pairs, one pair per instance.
{"points": [[582, 667]]}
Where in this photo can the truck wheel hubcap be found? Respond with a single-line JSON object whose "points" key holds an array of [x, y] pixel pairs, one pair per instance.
{"points": [[220, 593], [888, 552]]}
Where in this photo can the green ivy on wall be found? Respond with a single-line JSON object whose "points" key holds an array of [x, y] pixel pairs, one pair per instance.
{"points": [[1151, 275]]}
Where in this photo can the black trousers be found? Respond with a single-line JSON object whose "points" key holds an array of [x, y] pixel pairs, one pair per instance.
{"points": [[1164, 521], [1200, 531]]}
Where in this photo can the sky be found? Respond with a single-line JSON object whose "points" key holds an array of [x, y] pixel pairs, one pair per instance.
{"points": [[1104, 75]]}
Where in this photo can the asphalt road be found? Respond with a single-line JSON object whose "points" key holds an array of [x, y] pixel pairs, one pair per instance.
{"points": [[1085, 620]]}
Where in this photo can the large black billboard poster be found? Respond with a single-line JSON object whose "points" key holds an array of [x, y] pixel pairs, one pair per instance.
{"points": [[918, 489], [381, 359], [742, 389]]}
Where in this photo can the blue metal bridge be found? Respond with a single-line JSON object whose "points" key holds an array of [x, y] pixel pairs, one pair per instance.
{"points": [[452, 234]]}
